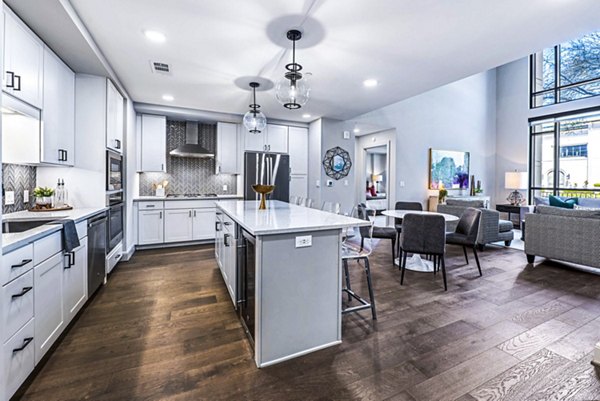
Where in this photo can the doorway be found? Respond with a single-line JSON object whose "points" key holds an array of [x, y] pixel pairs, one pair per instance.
{"points": [[376, 181]]}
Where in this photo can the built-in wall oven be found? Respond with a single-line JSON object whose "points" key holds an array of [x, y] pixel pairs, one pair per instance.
{"points": [[246, 281], [114, 198]]}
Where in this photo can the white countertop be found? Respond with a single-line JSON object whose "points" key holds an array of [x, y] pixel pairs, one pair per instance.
{"points": [[12, 241], [281, 217], [165, 198]]}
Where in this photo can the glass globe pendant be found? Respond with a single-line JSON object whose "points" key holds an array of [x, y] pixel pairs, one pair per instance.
{"points": [[254, 120], [292, 91]]}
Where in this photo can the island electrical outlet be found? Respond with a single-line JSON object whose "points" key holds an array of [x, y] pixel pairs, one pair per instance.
{"points": [[303, 241]]}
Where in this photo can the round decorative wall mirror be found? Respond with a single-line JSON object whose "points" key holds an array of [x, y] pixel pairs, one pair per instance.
{"points": [[337, 163]]}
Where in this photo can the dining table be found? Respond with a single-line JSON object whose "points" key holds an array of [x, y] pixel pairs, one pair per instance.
{"points": [[416, 262]]}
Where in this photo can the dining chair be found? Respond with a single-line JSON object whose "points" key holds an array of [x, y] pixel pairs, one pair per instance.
{"points": [[331, 207], [309, 202], [424, 234], [404, 205], [358, 247], [466, 233], [383, 232]]}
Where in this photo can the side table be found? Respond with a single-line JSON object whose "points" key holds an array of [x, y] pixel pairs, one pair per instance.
{"points": [[521, 210]]}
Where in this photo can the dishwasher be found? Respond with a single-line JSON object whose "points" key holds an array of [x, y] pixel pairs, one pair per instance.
{"points": [[97, 239]]}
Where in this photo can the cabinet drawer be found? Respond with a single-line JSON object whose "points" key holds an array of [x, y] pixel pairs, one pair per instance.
{"points": [[150, 205], [81, 229], [228, 224], [17, 298], [18, 359], [46, 247], [190, 204], [16, 263]]}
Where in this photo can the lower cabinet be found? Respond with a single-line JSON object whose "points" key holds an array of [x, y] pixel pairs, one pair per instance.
{"points": [[48, 303], [75, 281], [226, 253], [150, 227], [18, 360], [178, 225], [203, 226], [219, 238]]}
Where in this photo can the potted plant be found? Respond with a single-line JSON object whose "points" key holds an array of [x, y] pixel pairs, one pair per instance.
{"points": [[43, 197], [442, 194]]}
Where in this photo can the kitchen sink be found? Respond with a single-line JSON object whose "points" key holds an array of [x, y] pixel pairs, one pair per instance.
{"points": [[18, 226]]}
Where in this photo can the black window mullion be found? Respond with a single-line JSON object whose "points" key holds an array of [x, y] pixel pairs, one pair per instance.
{"points": [[556, 158], [557, 82]]}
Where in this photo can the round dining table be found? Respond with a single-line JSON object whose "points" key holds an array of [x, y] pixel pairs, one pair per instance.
{"points": [[416, 263]]}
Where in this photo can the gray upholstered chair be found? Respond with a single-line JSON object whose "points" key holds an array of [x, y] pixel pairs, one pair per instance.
{"points": [[358, 247], [404, 205], [383, 232], [426, 235], [466, 233]]}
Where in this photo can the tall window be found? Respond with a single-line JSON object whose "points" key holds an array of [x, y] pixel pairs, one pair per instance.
{"points": [[566, 72], [565, 157]]}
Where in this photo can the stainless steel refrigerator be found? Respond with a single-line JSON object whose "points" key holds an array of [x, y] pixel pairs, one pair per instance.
{"points": [[267, 168]]}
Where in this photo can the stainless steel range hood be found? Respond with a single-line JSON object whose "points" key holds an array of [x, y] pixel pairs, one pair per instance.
{"points": [[191, 147]]}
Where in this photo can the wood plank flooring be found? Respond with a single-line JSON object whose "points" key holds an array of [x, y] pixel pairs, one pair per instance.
{"points": [[164, 329]]}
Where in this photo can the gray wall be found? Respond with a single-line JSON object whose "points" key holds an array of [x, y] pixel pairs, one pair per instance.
{"points": [[458, 116], [18, 178]]}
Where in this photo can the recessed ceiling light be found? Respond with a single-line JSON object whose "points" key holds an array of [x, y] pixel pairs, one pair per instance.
{"points": [[370, 83], [168, 98], [306, 115], [155, 36], [356, 130]]}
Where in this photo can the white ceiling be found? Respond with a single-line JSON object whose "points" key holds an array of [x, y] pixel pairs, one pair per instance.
{"points": [[409, 46]]}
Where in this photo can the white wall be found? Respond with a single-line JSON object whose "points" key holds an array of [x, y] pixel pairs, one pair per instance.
{"points": [[458, 116], [314, 160]]}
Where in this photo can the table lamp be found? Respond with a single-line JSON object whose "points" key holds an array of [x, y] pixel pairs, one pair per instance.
{"points": [[515, 180], [377, 178]]}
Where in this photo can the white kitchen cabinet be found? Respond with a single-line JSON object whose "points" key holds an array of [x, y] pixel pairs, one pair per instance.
{"points": [[277, 138], [23, 61], [299, 186], [17, 361], [227, 157], [178, 225], [219, 239], [48, 303], [203, 226], [114, 118], [228, 256], [150, 227], [75, 281], [153, 155], [272, 139], [298, 150], [17, 305], [58, 113]]}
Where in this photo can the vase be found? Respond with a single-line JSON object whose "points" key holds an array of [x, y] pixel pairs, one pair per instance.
{"points": [[43, 202], [263, 190]]}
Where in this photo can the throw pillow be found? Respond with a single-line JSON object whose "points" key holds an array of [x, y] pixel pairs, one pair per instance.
{"points": [[566, 204]]}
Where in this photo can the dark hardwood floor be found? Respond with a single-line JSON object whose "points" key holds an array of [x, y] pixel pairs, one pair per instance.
{"points": [[164, 329]]}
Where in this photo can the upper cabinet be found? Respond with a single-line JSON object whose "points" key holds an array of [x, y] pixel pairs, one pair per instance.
{"points": [[23, 61], [273, 139], [114, 118], [152, 143], [58, 113], [298, 143], [226, 159]]}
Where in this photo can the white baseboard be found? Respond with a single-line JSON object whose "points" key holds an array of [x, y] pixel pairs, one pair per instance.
{"points": [[128, 253]]}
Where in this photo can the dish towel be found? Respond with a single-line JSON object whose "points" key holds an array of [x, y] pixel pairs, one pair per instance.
{"points": [[69, 235]]}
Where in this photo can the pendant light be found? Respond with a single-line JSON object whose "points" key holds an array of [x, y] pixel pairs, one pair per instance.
{"points": [[292, 91], [254, 120]]}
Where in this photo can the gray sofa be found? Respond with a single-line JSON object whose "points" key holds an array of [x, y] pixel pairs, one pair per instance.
{"points": [[563, 234], [491, 227]]}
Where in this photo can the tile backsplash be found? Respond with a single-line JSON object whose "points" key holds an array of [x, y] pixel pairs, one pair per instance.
{"points": [[188, 175], [17, 178]]}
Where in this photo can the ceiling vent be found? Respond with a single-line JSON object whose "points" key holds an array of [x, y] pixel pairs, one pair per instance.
{"points": [[160, 68]]}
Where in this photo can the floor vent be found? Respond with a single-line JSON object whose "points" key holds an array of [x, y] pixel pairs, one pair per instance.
{"points": [[160, 68]]}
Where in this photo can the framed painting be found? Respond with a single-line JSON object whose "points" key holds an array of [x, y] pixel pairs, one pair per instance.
{"points": [[448, 168]]}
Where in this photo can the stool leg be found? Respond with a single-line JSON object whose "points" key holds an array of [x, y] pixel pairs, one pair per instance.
{"points": [[435, 261], [400, 252], [477, 260], [393, 250], [347, 276], [465, 252], [370, 285], [444, 273], [402, 268]]}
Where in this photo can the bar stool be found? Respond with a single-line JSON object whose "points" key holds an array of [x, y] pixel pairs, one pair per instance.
{"points": [[358, 247], [293, 200]]}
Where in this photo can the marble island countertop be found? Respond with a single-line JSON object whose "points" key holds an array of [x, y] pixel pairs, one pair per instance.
{"points": [[281, 217], [12, 241]]}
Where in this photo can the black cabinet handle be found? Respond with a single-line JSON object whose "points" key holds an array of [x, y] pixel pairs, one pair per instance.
{"points": [[226, 239], [66, 156], [17, 85], [23, 263], [10, 83], [71, 256], [60, 155], [227, 223], [194, 213], [23, 292], [217, 226], [26, 342], [117, 144]]}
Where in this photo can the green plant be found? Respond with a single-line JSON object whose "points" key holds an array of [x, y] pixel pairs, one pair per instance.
{"points": [[442, 194], [41, 192], [597, 185]]}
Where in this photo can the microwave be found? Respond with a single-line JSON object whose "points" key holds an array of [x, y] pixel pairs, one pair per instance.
{"points": [[114, 171]]}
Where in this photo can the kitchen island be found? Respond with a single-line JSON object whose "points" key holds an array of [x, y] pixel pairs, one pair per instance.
{"points": [[283, 270]]}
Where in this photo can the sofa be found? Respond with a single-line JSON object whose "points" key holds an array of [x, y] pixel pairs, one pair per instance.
{"points": [[491, 227], [569, 235]]}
